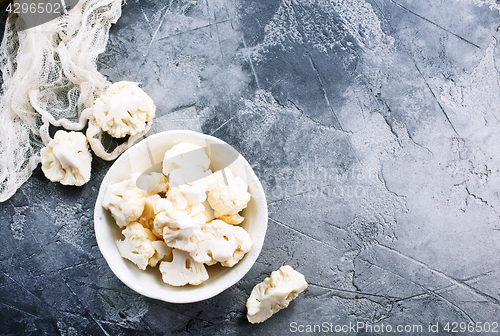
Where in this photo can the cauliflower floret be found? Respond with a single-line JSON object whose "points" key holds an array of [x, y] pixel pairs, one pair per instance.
{"points": [[209, 213], [222, 243], [67, 158], [180, 229], [181, 176], [188, 194], [274, 293], [147, 217], [124, 109], [162, 251], [125, 201], [232, 219], [227, 195], [183, 270], [185, 155], [153, 183], [137, 245]]}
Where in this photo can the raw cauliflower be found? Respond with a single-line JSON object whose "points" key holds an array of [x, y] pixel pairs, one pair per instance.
{"points": [[188, 194], [181, 176], [147, 217], [162, 251], [182, 270], [185, 155], [274, 293], [222, 243], [180, 229], [209, 213], [153, 183], [179, 219], [227, 195], [123, 110], [138, 194], [137, 245], [67, 158], [125, 201]]}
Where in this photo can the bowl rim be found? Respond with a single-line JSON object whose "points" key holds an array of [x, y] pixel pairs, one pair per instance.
{"points": [[180, 297]]}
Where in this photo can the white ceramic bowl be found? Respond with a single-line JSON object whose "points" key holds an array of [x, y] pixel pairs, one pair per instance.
{"points": [[146, 156]]}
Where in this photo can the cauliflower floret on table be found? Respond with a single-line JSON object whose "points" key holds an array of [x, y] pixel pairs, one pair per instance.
{"points": [[183, 270], [67, 158], [125, 201], [222, 243], [274, 293], [137, 245], [180, 229], [185, 155], [123, 110], [227, 195]]}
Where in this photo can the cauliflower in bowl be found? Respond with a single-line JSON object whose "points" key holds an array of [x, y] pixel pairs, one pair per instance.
{"points": [[185, 156], [67, 158], [125, 201], [137, 245], [227, 195], [182, 219], [165, 284], [123, 110], [221, 242], [179, 228], [183, 270]]}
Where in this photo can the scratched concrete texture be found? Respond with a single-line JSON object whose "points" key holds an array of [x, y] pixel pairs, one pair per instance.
{"points": [[373, 126]]}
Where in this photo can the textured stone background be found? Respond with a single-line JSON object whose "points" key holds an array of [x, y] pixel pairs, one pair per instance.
{"points": [[373, 126]]}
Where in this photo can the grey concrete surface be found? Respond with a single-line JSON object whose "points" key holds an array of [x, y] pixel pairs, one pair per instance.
{"points": [[373, 126]]}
